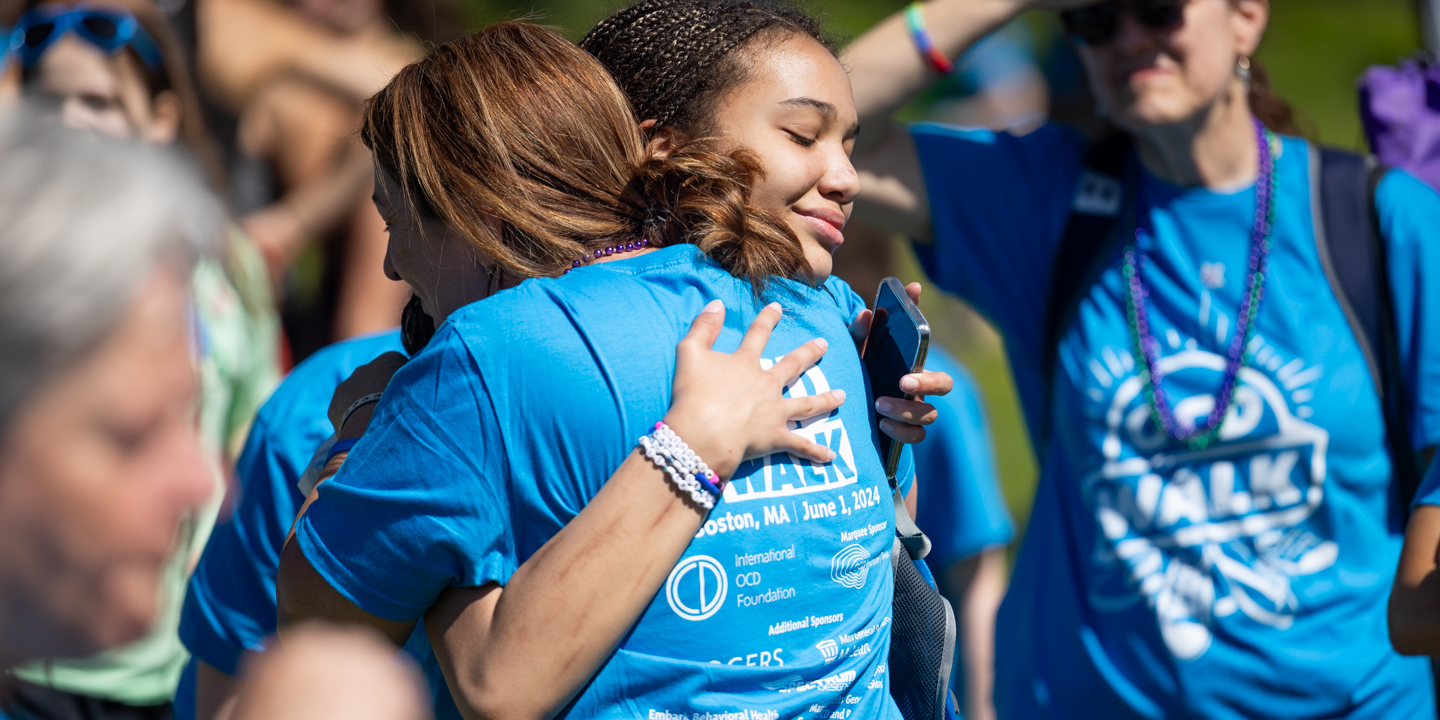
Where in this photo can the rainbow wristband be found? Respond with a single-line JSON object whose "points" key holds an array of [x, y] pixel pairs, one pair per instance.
{"points": [[915, 18]]}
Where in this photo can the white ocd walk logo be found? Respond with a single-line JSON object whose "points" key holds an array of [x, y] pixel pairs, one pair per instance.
{"points": [[696, 587], [783, 474], [1202, 535]]}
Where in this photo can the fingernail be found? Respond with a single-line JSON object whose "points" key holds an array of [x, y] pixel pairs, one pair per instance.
{"points": [[887, 425], [839, 395], [714, 306], [884, 405], [777, 307], [829, 455], [822, 342], [909, 383]]}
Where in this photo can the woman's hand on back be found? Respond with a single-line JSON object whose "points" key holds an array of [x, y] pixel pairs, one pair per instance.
{"points": [[905, 420], [729, 408]]}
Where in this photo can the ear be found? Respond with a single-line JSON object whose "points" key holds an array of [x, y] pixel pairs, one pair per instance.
{"points": [[1249, 18], [662, 143], [164, 124]]}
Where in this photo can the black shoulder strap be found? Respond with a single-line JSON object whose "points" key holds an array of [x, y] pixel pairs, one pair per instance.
{"points": [[1082, 252], [1353, 253]]}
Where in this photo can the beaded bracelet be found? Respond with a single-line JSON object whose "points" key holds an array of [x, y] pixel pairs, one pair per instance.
{"points": [[915, 18], [684, 468]]}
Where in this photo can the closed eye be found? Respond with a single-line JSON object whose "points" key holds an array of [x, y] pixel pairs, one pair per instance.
{"points": [[800, 140]]}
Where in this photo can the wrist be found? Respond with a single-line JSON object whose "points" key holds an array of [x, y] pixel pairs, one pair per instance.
{"points": [[706, 443], [355, 425], [356, 418]]}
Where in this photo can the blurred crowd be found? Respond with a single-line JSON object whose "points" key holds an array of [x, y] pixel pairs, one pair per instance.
{"points": [[211, 209]]}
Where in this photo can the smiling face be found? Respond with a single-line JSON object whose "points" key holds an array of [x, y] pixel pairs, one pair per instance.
{"points": [[443, 270], [796, 111], [96, 473], [1148, 77]]}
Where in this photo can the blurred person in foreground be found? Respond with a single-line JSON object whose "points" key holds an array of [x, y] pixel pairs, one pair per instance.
{"points": [[1216, 529], [325, 673], [132, 83], [100, 462], [101, 466], [957, 499]]}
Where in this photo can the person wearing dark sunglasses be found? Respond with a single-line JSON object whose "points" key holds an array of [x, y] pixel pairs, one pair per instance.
{"points": [[1098, 24], [1217, 520]]}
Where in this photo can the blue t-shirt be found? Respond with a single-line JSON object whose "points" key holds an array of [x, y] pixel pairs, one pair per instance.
{"points": [[1248, 580], [230, 602], [513, 416], [960, 506]]}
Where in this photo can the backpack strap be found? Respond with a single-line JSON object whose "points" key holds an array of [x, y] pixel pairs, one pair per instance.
{"points": [[1085, 247], [1353, 254]]}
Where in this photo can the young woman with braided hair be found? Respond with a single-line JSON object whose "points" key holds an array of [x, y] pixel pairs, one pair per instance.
{"points": [[462, 504]]}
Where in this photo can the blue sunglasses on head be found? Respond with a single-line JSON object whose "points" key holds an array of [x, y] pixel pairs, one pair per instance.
{"points": [[109, 30]]}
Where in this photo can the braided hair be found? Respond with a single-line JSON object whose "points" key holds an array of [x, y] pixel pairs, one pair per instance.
{"points": [[515, 123], [675, 59]]}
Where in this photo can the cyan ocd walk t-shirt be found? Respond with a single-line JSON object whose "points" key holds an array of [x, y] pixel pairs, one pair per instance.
{"points": [[1247, 580], [521, 407], [230, 602]]}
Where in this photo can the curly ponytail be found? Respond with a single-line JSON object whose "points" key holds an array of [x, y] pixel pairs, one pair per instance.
{"points": [[700, 195]]}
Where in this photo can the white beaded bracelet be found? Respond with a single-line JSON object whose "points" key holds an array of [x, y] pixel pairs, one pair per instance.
{"points": [[684, 468]]}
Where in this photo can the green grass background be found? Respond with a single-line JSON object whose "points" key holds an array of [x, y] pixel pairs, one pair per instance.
{"points": [[1314, 49]]}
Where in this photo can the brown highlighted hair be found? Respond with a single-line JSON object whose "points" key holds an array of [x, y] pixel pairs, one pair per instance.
{"points": [[516, 123]]}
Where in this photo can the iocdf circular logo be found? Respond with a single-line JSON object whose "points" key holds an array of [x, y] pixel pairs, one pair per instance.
{"points": [[848, 566], [696, 587]]}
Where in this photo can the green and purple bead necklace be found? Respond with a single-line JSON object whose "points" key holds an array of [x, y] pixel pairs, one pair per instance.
{"points": [[1146, 347]]}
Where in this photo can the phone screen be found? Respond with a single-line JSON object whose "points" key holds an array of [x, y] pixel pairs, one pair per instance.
{"points": [[892, 349]]}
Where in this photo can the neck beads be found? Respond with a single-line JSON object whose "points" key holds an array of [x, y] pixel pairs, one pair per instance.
{"points": [[1143, 343]]}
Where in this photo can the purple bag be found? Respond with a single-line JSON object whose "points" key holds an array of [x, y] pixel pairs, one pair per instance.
{"points": [[1400, 108]]}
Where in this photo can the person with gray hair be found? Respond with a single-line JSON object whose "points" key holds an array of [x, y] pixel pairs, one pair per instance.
{"points": [[100, 458]]}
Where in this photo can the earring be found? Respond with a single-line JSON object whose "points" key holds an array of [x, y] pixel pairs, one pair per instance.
{"points": [[1242, 71]]}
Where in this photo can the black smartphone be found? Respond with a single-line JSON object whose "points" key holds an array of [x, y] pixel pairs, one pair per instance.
{"points": [[896, 346]]}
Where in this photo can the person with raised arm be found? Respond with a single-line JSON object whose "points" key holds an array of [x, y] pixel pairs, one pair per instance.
{"points": [[1217, 520]]}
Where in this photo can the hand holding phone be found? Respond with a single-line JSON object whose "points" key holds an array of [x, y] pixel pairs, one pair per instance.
{"points": [[896, 346]]}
